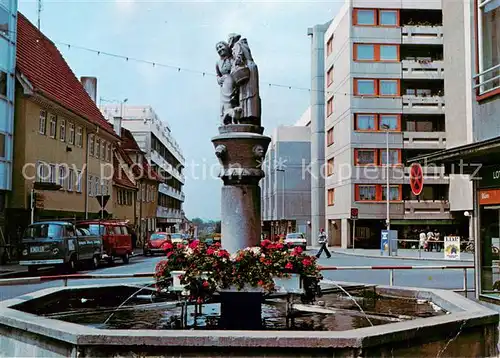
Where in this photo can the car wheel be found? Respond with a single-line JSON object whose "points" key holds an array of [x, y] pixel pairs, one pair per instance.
{"points": [[126, 258], [94, 263], [72, 265]]}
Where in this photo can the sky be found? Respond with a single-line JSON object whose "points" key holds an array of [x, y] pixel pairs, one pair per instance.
{"points": [[183, 34]]}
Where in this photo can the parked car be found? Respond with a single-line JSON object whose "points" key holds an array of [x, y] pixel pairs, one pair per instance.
{"points": [[116, 238], [296, 239], [156, 242], [59, 244], [178, 238]]}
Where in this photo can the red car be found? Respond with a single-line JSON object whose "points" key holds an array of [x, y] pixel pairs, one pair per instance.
{"points": [[155, 243]]}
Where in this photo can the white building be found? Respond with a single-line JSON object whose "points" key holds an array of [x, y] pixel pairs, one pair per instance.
{"points": [[164, 154]]}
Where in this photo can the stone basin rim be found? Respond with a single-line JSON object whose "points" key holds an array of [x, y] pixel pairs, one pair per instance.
{"points": [[474, 315]]}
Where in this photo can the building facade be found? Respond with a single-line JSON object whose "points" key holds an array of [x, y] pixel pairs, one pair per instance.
{"points": [[286, 188], [61, 139], [385, 88], [163, 154], [475, 27]]}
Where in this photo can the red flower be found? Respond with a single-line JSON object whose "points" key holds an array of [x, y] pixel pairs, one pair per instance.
{"points": [[167, 246], [307, 262], [223, 253], [210, 251], [199, 300], [194, 244], [289, 266], [169, 253], [265, 243], [180, 246], [260, 283], [279, 246], [298, 250], [205, 284]]}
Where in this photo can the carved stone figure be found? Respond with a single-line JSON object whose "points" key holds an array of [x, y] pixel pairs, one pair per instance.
{"points": [[258, 152], [228, 89], [220, 151], [246, 74]]}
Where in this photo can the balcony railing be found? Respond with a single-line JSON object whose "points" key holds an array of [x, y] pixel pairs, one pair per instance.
{"points": [[422, 68], [168, 190], [423, 104], [158, 159], [168, 213], [431, 35], [438, 209], [424, 140]]}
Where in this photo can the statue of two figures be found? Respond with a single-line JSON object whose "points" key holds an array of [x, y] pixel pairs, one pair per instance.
{"points": [[238, 78]]}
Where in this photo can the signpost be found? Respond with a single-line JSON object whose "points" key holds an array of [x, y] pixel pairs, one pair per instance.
{"points": [[416, 179], [354, 217]]}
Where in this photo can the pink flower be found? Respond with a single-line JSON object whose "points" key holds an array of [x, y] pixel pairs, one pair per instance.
{"points": [[194, 244], [289, 266], [167, 246], [298, 250], [223, 253], [279, 246], [307, 262], [210, 251], [205, 284], [265, 243], [260, 283], [180, 246]]}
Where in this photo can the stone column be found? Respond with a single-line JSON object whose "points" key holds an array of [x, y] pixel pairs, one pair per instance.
{"points": [[241, 149]]}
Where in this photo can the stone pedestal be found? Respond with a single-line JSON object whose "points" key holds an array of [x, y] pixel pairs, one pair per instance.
{"points": [[241, 149]]}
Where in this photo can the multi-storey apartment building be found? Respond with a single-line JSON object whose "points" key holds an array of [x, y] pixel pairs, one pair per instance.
{"points": [[385, 87], [473, 61], [61, 138], [286, 188], [163, 154]]}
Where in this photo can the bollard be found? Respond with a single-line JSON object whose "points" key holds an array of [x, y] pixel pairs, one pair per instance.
{"points": [[65, 282], [391, 277], [465, 282]]}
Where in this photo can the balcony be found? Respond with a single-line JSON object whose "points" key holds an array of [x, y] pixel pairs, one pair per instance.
{"points": [[413, 104], [174, 193], [424, 140], [427, 209], [161, 162], [422, 68], [169, 213], [422, 35]]}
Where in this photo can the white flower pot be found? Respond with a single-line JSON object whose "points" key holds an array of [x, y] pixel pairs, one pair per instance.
{"points": [[176, 277], [292, 283]]}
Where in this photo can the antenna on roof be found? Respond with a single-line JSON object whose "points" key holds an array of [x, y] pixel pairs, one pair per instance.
{"points": [[40, 8]]}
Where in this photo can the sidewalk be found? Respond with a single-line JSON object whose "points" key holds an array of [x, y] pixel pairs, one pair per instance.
{"points": [[403, 254]]}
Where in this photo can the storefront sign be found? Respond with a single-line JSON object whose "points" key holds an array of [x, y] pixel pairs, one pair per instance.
{"points": [[452, 247], [490, 177], [489, 197]]}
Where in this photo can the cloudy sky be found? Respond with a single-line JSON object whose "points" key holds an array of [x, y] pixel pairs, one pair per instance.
{"points": [[183, 34]]}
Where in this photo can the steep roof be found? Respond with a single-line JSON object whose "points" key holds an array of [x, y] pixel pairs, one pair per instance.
{"points": [[128, 141], [39, 60]]}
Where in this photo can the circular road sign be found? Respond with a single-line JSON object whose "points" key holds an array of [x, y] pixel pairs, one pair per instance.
{"points": [[416, 178]]}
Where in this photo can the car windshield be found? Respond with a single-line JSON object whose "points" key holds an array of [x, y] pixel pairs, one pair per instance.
{"points": [[295, 236], [158, 237], [44, 231], [176, 236], [94, 229]]}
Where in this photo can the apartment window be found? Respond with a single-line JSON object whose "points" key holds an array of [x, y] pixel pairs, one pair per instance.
{"points": [[329, 107], [329, 76], [52, 126], [366, 193], [90, 185], [364, 52], [42, 172], [79, 136], [329, 46], [97, 186], [390, 120], [365, 122], [2, 145], [394, 193], [389, 87], [365, 157], [91, 144], [103, 150], [108, 152], [61, 176], [331, 197], [329, 137], [489, 46], [53, 172], [62, 134], [97, 148], [388, 17], [42, 123], [419, 126], [394, 157], [71, 179], [3, 84], [365, 87], [71, 138], [365, 17], [79, 175], [389, 52], [329, 167]]}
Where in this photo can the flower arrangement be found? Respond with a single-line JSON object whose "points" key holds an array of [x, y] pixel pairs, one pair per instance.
{"points": [[208, 268]]}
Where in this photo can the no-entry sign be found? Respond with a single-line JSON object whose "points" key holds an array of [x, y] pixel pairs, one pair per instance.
{"points": [[416, 179]]}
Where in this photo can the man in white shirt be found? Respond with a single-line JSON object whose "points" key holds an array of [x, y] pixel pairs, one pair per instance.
{"points": [[322, 241]]}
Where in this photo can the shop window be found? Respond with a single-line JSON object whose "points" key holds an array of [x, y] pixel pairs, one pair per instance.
{"points": [[329, 137], [365, 87], [329, 107], [365, 157], [331, 197], [388, 18], [365, 122], [365, 17], [366, 192]]}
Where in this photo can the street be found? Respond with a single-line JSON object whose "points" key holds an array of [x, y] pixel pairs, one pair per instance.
{"points": [[430, 278]]}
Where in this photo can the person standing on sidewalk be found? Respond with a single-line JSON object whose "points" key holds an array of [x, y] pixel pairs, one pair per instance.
{"points": [[322, 241]]}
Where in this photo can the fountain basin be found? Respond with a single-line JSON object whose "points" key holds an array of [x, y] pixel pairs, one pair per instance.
{"points": [[467, 330]]}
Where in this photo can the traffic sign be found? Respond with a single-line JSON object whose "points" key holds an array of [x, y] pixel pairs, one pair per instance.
{"points": [[354, 213], [416, 179]]}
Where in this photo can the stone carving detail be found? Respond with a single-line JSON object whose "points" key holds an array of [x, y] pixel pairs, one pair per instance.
{"points": [[258, 152], [221, 151], [238, 78]]}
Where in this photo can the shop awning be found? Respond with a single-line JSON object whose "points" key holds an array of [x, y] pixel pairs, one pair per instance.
{"points": [[482, 153]]}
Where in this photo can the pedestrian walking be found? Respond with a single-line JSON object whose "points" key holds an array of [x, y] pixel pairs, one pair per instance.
{"points": [[322, 241]]}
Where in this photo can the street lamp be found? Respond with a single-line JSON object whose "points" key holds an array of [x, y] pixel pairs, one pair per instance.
{"points": [[387, 220], [282, 194]]}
